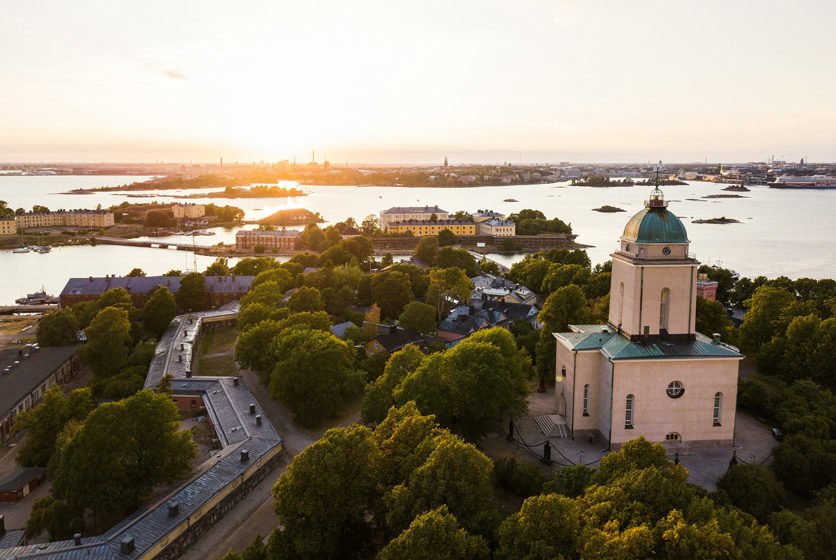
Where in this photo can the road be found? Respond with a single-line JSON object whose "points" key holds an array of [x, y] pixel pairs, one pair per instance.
{"points": [[254, 514]]}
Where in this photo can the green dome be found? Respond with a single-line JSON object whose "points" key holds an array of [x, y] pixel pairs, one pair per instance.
{"points": [[655, 225]]}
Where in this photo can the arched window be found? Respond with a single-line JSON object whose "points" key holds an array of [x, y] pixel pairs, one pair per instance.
{"points": [[718, 405], [621, 303], [586, 400], [664, 309], [628, 412]]}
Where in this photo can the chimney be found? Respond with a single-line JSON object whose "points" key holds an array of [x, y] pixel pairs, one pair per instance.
{"points": [[77, 539], [179, 357], [258, 419], [2, 525], [173, 509], [235, 381], [245, 455], [126, 545], [716, 338], [188, 373], [252, 408]]}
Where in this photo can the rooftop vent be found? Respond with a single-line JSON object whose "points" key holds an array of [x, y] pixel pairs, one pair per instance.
{"points": [[245, 455], [716, 338], [258, 419], [126, 545], [77, 539], [188, 373], [173, 509], [235, 381], [252, 408], [2, 525]]}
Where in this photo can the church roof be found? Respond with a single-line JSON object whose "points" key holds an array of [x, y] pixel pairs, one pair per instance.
{"points": [[618, 347], [655, 225]]}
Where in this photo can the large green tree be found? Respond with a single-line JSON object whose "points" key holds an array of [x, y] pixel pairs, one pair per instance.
{"points": [[547, 526], [378, 398], [191, 296], [159, 311], [435, 534], [448, 286], [58, 328], [565, 306], [121, 451], [418, 316], [306, 299], [391, 291], [108, 342], [314, 374]]}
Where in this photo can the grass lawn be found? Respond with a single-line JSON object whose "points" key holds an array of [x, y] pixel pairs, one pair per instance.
{"points": [[218, 342], [218, 365]]}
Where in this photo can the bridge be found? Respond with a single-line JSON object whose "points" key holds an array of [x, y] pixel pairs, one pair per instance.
{"points": [[154, 244]]}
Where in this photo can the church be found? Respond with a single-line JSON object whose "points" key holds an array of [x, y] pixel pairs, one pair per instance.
{"points": [[648, 372]]}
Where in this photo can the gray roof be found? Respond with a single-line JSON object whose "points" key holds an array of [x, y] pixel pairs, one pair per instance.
{"points": [[269, 233], [20, 478], [414, 209], [32, 370], [616, 346], [97, 285], [227, 405], [339, 329]]}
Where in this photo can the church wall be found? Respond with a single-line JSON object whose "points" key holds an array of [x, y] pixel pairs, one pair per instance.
{"points": [[691, 415], [588, 366], [564, 358], [605, 402], [683, 296], [621, 310]]}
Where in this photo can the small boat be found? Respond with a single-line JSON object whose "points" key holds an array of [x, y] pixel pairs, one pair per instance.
{"points": [[43, 250], [21, 250], [37, 298]]}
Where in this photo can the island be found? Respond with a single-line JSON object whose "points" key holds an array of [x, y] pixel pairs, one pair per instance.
{"points": [[605, 181], [724, 196], [510, 200], [256, 191], [736, 188], [722, 220], [607, 209], [291, 217]]}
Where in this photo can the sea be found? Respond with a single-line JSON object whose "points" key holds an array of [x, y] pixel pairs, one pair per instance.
{"points": [[780, 231]]}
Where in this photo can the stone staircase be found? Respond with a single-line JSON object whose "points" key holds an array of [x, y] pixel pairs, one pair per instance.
{"points": [[552, 425]]}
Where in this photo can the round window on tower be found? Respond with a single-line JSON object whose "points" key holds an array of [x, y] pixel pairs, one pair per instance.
{"points": [[675, 389], [666, 251]]}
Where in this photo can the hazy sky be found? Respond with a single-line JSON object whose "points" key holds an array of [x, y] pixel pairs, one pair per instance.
{"points": [[390, 80]]}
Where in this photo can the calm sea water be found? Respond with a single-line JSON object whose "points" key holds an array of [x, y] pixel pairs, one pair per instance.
{"points": [[782, 232]]}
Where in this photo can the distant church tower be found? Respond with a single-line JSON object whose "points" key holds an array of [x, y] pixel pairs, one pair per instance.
{"points": [[445, 162]]}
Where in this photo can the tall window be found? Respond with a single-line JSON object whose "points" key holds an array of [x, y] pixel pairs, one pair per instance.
{"points": [[664, 310], [718, 404], [586, 400], [628, 412], [621, 303]]}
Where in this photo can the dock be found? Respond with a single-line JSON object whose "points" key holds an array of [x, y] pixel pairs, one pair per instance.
{"points": [[42, 308], [154, 244]]}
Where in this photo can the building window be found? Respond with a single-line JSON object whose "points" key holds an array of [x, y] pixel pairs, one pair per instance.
{"points": [[664, 310], [586, 400], [673, 436], [675, 389], [628, 412], [718, 404], [194, 404]]}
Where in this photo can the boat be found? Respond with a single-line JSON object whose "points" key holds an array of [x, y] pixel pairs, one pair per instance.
{"points": [[37, 298], [804, 182], [21, 250], [43, 249]]}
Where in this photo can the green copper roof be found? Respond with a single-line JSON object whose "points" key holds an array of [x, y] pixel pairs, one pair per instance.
{"points": [[655, 225]]}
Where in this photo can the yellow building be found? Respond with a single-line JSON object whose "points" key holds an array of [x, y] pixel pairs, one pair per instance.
{"points": [[188, 210], [74, 218], [8, 227], [648, 372], [497, 228], [421, 228]]}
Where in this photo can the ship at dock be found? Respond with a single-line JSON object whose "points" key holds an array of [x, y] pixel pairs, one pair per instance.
{"points": [[804, 182]]}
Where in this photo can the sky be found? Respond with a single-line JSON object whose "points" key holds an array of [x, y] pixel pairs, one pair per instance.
{"points": [[395, 81]]}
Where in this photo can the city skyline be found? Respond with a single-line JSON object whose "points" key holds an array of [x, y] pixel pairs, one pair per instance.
{"points": [[375, 83]]}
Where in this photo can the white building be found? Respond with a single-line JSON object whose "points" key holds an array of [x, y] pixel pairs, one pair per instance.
{"points": [[411, 213]]}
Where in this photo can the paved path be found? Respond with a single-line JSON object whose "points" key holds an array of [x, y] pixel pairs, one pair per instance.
{"points": [[254, 514]]}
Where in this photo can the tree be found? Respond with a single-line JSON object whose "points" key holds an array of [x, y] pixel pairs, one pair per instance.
{"points": [[255, 348], [305, 299], [378, 398], [267, 293], [174, 272], [455, 474], [570, 481], [754, 489], [136, 273], [713, 318], [44, 422], [546, 527], [312, 238], [253, 266], [565, 306], [39, 208], [158, 219], [120, 452], [191, 296], [387, 260], [159, 311], [427, 249], [58, 328], [370, 225], [391, 291], [765, 317], [255, 313], [472, 385], [55, 517], [220, 267], [323, 497], [117, 297], [447, 257], [418, 316], [314, 374], [447, 238], [435, 533], [282, 278], [108, 342], [447, 287]]}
